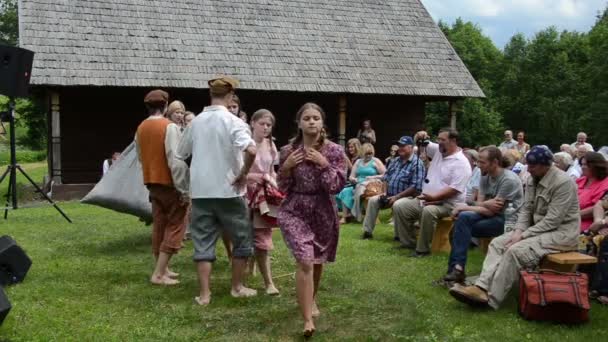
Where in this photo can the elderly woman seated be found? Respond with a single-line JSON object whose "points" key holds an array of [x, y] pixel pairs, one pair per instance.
{"points": [[591, 186], [563, 161], [350, 196]]}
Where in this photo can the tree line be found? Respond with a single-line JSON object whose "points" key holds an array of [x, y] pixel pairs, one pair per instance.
{"points": [[551, 86]]}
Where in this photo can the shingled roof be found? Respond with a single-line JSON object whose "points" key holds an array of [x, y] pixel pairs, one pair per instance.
{"points": [[346, 46]]}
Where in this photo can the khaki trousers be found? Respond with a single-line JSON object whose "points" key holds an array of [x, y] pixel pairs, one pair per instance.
{"points": [[407, 211], [501, 266]]}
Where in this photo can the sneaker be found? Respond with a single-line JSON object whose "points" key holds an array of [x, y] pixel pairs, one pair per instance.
{"points": [[367, 236], [455, 276]]}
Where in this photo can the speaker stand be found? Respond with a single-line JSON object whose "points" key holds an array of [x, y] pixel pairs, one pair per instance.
{"points": [[11, 169]]}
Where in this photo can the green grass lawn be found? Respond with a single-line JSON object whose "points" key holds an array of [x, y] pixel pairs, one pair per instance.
{"points": [[25, 191], [89, 282]]}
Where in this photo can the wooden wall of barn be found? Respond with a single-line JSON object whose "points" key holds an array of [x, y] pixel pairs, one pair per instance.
{"points": [[98, 121]]}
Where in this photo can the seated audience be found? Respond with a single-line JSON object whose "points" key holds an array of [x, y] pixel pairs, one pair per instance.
{"points": [[563, 161], [522, 147], [403, 179], [392, 156], [364, 167], [591, 186], [509, 143], [581, 140], [444, 188], [547, 223], [473, 184], [353, 152], [498, 189], [576, 171]]}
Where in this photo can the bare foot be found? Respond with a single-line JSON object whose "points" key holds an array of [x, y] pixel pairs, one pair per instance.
{"points": [[165, 280], [309, 329], [315, 310], [243, 292], [271, 290], [202, 301], [171, 274]]}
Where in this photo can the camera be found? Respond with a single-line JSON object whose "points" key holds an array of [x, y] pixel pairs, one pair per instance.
{"points": [[423, 142], [383, 201]]}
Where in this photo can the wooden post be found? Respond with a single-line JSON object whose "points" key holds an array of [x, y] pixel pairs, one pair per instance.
{"points": [[55, 138], [342, 120], [452, 110]]}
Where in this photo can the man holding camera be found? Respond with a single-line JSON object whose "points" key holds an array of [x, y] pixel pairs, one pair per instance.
{"points": [[403, 179], [444, 188]]}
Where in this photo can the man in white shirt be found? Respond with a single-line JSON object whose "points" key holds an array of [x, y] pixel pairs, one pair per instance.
{"points": [[222, 153], [509, 143], [581, 139], [444, 188]]}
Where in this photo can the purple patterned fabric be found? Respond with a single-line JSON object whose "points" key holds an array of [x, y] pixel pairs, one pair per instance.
{"points": [[308, 216]]}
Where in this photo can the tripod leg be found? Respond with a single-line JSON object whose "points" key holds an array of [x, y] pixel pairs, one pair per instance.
{"points": [[43, 194], [8, 169], [9, 191]]}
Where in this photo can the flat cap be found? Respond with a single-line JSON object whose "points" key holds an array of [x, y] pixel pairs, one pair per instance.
{"points": [[222, 85], [157, 97]]}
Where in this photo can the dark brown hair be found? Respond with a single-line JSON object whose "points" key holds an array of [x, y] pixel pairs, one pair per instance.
{"points": [[597, 164], [452, 133], [297, 140], [236, 100], [493, 154]]}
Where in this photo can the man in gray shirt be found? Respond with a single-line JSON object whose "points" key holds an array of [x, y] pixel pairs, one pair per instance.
{"points": [[498, 189]]}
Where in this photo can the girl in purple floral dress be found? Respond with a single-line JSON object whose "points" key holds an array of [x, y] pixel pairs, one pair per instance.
{"points": [[312, 172]]}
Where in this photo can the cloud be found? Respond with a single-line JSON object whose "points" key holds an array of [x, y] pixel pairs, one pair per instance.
{"points": [[502, 18]]}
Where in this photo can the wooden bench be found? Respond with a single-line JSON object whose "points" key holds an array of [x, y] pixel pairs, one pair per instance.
{"points": [[566, 262], [441, 237], [484, 244]]}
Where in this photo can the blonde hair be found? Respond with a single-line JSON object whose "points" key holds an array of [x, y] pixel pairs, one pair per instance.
{"points": [[174, 107], [260, 114], [355, 142], [368, 148]]}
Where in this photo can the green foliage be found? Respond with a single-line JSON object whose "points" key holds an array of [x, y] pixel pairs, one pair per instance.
{"points": [[551, 86], [479, 123], [30, 122], [23, 156], [9, 23]]}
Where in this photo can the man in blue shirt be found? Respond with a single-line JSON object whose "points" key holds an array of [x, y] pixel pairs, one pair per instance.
{"points": [[403, 179]]}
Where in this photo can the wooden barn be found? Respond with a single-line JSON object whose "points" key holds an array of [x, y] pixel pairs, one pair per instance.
{"points": [[95, 60]]}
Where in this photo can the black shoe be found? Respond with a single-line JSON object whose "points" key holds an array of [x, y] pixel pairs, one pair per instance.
{"points": [[367, 236], [417, 254], [455, 276]]}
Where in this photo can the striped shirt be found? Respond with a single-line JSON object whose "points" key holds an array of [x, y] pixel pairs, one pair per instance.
{"points": [[402, 175]]}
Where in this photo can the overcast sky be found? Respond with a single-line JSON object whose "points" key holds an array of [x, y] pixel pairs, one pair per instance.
{"points": [[501, 19]]}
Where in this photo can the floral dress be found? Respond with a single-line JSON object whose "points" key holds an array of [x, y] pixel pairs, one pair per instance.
{"points": [[308, 217]]}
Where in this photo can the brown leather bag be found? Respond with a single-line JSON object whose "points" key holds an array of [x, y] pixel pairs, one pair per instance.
{"points": [[554, 296], [373, 188]]}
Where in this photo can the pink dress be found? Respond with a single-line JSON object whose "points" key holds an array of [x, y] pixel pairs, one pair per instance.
{"points": [[263, 164], [308, 216], [589, 196]]}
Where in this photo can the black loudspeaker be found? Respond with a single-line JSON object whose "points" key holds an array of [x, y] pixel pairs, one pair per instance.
{"points": [[14, 263], [5, 305], [15, 70]]}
